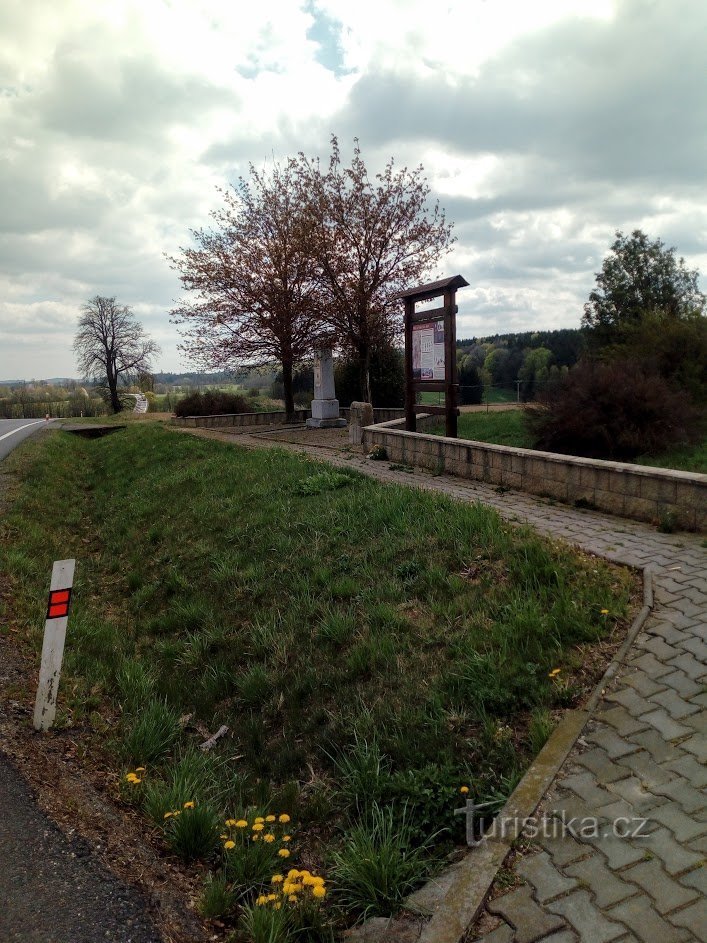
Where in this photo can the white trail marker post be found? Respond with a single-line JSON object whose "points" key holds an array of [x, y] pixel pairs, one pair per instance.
{"points": [[53, 647]]}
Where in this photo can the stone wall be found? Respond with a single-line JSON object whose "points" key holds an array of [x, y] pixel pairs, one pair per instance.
{"points": [[241, 419], [636, 491]]}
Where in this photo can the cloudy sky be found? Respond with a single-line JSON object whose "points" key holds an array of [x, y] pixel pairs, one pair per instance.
{"points": [[543, 127]]}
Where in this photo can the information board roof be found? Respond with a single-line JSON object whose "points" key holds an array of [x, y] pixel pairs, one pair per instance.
{"points": [[434, 288]]}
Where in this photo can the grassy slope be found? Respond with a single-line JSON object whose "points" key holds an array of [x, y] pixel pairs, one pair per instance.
{"points": [[220, 580], [508, 428]]}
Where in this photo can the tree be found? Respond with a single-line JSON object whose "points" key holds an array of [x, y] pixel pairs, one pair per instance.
{"points": [[110, 345], [387, 378], [638, 278], [370, 241], [255, 297]]}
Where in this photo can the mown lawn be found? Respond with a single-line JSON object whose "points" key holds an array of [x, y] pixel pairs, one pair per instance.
{"points": [[372, 648]]}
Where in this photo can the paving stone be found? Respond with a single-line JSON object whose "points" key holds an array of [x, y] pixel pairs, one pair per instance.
{"points": [[697, 721], [564, 936], [696, 879], [611, 742], [589, 922], [645, 922], [657, 746], [693, 918], [502, 934], [684, 827], [659, 647], [605, 770], [665, 892], [604, 885], [675, 705], [695, 773], [688, 798], [585, 786], [642, 683], [544, 876], [618, 852], [667, 632], [698, 648], [699, 845], [668, 728], [530, 921], [632, 791], [680, 682], [697, 745], [622, 722], [650, 666], [562, 850], [675, 857], [629, 698], [648, 771], [687, 662]]}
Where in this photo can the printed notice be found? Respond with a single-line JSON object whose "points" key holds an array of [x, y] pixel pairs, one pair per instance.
{"points": [[428, 350]]}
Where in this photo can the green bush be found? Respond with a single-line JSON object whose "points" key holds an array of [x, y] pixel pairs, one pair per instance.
{"points": [[613, 411], [193, 832], [153, 734]]}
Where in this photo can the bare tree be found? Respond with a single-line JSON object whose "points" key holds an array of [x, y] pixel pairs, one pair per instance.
{"points": [[255, 298], [370, 241], [110, 345]]}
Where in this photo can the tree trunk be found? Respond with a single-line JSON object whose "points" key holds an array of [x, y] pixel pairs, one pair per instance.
{"points": [[112, 379], [364, 362], [287, 386]]}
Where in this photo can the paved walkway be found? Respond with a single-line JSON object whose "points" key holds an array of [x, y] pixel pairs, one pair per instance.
{"points": [[640, 763]]}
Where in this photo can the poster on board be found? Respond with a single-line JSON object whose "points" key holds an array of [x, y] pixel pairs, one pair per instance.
{"points": [[428, 350]]}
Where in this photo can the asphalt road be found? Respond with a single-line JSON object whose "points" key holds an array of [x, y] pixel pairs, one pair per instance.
{"points": [[52, 890], [13, 431]]}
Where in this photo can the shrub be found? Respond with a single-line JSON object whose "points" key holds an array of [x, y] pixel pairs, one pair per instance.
{"points": [[612, 411], [211, 403], [193, 832]]}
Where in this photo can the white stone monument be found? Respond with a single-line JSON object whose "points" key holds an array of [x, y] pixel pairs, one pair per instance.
{"points": [[325, 405]]}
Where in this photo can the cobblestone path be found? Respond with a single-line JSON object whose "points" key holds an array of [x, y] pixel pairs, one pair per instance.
{"points": [[641, 763]]}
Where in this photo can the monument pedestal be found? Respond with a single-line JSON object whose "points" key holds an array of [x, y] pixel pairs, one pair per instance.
{"points": [[325, 406]]}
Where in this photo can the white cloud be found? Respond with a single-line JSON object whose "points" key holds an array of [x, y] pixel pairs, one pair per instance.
{"points": [[543, 127]]}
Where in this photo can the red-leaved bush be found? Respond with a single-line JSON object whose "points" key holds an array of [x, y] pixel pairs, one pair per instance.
{"points": [[613, 411]]}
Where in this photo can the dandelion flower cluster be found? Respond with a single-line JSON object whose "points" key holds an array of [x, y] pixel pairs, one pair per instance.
{"points": [[296, 887], [264, 828], [134, 777]]}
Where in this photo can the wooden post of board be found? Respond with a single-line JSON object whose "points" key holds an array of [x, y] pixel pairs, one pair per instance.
{"points": [[438, 372], [53, 646]]}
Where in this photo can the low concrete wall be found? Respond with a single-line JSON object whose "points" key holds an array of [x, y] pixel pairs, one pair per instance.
{"points": [[635, 491], [241, 419], [379, 415]]}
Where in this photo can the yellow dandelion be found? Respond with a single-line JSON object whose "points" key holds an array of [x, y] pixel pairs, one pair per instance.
{"points": [[139, 769], [277, 906], [269, 838], [270, 818], [293, 873], [230, 822], [135, 780], [272, 897], [319, 891], [261, 901], [554, 673], [292, 899], [287, 837], [259, 820], [276, 879], [229, 844], [464, 790], [284, 818], [308, 880], [258, 827], [168, 815], [318, 882], [605, 612], [241, 823], [131, 777], [188, 805], [255, 837], [284, 853], [223, 837]]}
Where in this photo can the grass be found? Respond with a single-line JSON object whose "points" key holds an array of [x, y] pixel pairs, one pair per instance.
{"points": [[502, 428], [508, 428], [367, 644]]}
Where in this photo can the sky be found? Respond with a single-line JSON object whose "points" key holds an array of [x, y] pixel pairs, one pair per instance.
{"points": [[543, 128]]}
